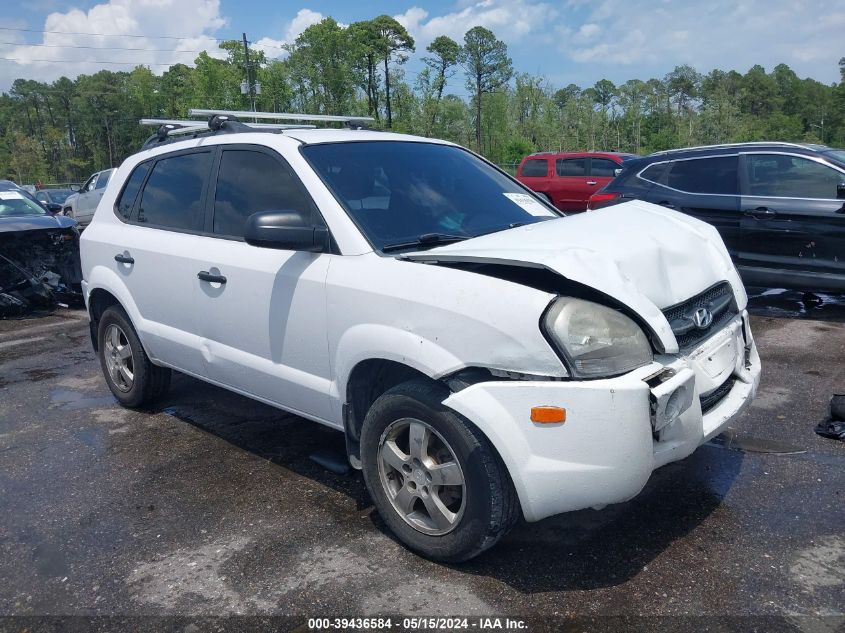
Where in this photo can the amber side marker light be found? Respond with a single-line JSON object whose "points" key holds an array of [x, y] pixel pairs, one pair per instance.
{"points": [[548, 415]]}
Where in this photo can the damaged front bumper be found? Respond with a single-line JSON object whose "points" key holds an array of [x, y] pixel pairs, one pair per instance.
{"points": [[617, 430], [39, 268]]}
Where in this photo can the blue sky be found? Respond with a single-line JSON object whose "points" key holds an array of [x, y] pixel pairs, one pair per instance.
{"points": [[569, 41]]}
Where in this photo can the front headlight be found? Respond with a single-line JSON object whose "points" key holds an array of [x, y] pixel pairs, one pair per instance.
{"points": [[597, 340]]}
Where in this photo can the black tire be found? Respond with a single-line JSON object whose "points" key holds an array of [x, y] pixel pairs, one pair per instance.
{"points": [[149, 382], [491, 506]]}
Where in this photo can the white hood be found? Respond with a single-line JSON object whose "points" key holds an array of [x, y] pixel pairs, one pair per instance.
{"points": [[643, 255]]}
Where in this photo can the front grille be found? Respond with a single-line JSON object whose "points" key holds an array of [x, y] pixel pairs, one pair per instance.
{"points": [[717, 395], [718, 300]]}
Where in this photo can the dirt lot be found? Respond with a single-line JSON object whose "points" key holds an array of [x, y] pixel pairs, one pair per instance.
{"points": [[210, 506]]}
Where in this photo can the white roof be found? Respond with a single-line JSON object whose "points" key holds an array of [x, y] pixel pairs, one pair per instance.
{"points": [[328, 135]]}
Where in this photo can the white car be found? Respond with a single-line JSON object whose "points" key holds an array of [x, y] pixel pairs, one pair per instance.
{"points": [[486, 358], [81, 205]]}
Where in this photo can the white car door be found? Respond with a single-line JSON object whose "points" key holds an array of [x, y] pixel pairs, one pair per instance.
{"points": [[154, 252], [264, 327]]}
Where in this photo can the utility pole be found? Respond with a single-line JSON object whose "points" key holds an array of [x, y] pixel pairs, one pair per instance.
{"points": [[250, 84]]}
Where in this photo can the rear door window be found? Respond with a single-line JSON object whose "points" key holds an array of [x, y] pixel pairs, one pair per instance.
{"points": [[571, 166], [174, 194], [535, 167], [784, 176], [249, 182], [603, 167], [717, 175]]}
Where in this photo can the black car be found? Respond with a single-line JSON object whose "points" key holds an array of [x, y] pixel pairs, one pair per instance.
{"points": [[53, 199], [780, 207], [39, 255]]}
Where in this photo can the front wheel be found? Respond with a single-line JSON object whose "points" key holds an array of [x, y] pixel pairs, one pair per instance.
{"points": [[434, 478], [129, 373]]}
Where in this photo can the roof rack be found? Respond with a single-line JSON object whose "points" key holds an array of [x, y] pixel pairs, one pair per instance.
{"points": [[353, 121], [227, 122], [725, 145]]}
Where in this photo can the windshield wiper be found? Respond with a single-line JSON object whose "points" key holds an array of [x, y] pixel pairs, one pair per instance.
{"points": [[426, 239]]}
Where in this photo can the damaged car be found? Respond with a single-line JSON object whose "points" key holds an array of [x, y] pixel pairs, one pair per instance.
{"points": [[486, 357], [39, 256]]}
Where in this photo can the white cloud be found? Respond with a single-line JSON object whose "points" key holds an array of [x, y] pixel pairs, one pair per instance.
{"points": [[512, 21], [719, 34], [80, 41], [274, 48]]}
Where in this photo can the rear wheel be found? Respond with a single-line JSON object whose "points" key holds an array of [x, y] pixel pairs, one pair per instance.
{"points": [[129, 373], [434, 478]]}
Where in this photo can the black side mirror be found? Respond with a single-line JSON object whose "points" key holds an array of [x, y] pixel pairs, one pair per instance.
{"points": [[54, 208], [840, 191], [286, 230]]}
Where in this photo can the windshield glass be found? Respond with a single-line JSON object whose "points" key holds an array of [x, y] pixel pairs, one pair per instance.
{"points": [[837, 154], [398, 191], [59, 195], [13, 203]]}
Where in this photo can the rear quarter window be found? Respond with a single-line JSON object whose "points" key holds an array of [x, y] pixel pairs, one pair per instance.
{"points": [[126, 200]]}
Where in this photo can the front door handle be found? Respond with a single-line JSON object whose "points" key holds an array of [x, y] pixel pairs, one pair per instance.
{"points": [[592, 182], [124, 259], [204, 275], [760, 212]]}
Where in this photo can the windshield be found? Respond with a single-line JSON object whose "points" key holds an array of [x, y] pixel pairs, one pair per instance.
{"points": [[59, 195], [400, 191], [837, 155], [13, 203]]}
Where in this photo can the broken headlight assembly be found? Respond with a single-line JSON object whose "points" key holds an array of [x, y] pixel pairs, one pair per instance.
{"points": [[595, 340]]}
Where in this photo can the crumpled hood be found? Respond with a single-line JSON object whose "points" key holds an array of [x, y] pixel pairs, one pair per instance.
{"points": [[34, 222], [643, 255]]}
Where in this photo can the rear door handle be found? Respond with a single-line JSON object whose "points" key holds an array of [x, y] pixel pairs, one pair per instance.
{"points": [[124, 259], [592, 182], [204, 275], [760, 212]]}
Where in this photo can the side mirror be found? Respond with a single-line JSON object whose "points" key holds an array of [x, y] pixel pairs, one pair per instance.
{"points": [[617, 171], [840, 191], [286, 230], [54, 208]]}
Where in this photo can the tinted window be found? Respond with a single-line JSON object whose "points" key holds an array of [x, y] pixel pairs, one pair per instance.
{"points": [[784, 176], [173, 194], [571, 166], [397, 191], [89, 184], [41, 196], [249, 182], [127, 197], [103, 180], [705, 175], [535, 167], [603, 168]]}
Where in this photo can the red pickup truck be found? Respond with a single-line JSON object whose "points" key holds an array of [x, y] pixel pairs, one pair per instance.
{"points": [[568, 179]]}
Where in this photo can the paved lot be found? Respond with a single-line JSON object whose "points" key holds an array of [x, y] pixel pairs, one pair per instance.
{"points": [[210, 505]]}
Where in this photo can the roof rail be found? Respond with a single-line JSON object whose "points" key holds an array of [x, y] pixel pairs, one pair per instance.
{"points": [[169, 129], [183, 123], [353, 121], [725, 145]]}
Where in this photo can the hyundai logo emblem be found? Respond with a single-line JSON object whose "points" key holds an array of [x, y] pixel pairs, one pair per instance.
{"points": [[702, 318]]}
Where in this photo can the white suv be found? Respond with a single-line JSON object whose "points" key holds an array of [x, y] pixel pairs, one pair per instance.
{"points": [[485, 357]]}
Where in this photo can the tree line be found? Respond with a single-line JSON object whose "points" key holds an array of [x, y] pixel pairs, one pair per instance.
{"points": [[467, 92]]}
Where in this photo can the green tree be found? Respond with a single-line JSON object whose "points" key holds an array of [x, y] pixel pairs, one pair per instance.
{"points": [[487, 65], [393, 42], [445, 53]]}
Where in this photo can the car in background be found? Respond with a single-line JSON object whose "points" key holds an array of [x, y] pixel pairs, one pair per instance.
{"points": [[39, 255], [81, 205], [780, 207], [53, 199], [568, 179]]}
